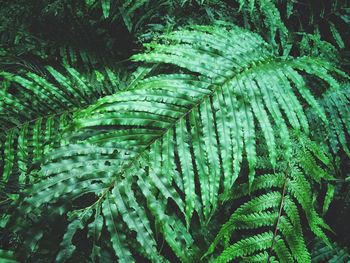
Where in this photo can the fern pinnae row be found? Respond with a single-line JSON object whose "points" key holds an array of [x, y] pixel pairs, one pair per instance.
{"points": [[162, 184], [42, 123], [251, 244], [225, 143], [209, 132], [57, 95], [202, 167], [294, 101], [261, 182], [110, 211], [198, 103], [64, 82], [135, 221]]}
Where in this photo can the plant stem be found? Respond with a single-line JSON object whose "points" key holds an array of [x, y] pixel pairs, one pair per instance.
{"points": [[279, 215]]}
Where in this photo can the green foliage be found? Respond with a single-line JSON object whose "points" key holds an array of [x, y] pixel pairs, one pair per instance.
{"points": [[7, 256], [333, 254], [265, 11], [277, 210], [328, 19], [173, 131], [112, 9], [36, 108], [336, 105], [252, 76]]}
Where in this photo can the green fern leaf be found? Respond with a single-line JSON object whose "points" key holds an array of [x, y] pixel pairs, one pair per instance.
{"points": [[110, 212], [106, 5], [136, 219], [245, 247], [7, 256], [77, 222], [192, 131], [337, 37]]}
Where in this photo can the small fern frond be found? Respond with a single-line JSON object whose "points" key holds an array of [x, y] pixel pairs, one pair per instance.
{"points": [[77, 221], [287, 225], [337, 107], [272, 20], [268, 208], [127, 10], [324, 253]]}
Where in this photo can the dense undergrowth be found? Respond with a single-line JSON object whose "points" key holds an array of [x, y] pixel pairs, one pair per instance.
{"points": [[174, 131]]}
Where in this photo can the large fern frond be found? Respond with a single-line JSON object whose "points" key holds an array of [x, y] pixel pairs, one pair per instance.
{"points": [[176, 140], [257, 78]]}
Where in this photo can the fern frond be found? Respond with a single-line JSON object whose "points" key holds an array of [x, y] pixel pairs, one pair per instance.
{"points": [[322, 253], [268, 208], [287, 225], [35, 111], [245, 247], [337, 107], [190, 131], [125, 9], [272, 19], [250, 85]]}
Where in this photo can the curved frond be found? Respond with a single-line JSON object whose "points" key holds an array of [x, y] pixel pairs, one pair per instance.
{"points": [[165, 150], [276, 210]]}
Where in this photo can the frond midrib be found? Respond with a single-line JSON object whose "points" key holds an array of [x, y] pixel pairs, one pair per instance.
{"points": [[73, 110], [242, 73]]}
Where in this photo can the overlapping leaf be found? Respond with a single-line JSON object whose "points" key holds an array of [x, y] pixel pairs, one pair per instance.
{"points": [[183, 137]]}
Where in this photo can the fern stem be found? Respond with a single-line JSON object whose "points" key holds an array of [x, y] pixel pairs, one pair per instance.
{"points": [[37, 118], [279, 214]]}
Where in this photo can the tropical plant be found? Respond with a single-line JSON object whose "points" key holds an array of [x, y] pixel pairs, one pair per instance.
{"points": [[222, 138]]}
